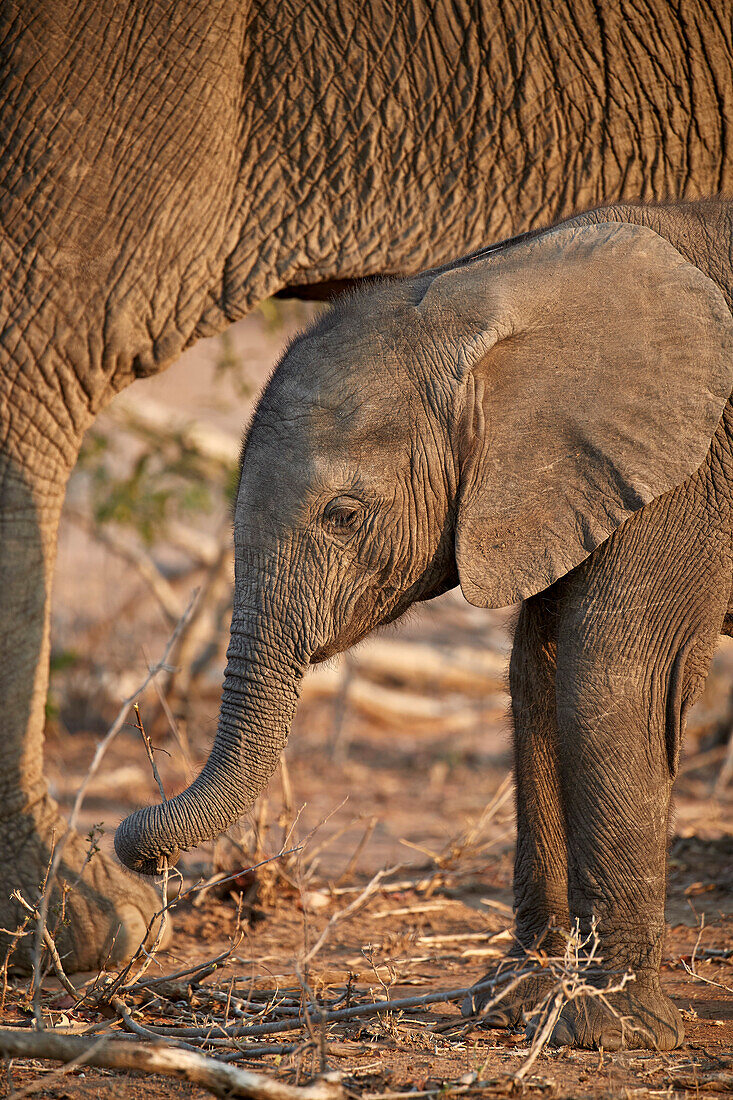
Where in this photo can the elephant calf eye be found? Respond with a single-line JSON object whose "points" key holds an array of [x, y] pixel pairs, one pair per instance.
{"points": [[342, 514]]}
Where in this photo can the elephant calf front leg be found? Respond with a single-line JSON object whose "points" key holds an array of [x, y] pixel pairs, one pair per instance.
{"points": [[617, 788], [540, 869]]}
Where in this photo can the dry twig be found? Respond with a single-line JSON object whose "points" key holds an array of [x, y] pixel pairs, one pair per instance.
{"points": [[149, 751], [343, 914], [570, 976]]}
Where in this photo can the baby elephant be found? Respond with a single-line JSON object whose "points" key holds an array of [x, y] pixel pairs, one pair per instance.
{"points": [[546, 421]]}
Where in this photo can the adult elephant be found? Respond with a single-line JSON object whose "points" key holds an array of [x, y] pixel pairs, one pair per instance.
{"points": [[549, 420], [166, 166]]}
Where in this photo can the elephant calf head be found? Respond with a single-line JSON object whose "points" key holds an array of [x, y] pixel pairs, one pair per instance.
{"points": [[491, 423]]}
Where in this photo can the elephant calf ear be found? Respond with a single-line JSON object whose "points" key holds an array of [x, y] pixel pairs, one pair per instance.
{"points": [[597, 363]]}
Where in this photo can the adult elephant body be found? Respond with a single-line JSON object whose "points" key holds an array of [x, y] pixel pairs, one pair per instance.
{"points": [[166, 166]]}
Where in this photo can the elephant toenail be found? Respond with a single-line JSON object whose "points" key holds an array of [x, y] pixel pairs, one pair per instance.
{"points": [[563, 1034]]}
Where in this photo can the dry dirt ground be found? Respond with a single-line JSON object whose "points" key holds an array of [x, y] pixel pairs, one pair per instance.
{"points": [[404, 768]]}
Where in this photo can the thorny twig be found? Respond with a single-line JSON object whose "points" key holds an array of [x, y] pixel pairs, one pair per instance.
{"points": [[149, 750], [216, 881], [161, 925], [708, 981], [32, 910], [16, 935]]}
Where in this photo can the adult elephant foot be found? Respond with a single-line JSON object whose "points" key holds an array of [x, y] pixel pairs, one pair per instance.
{"points": [[510, 1009], [106, 911], [642, 1018]]}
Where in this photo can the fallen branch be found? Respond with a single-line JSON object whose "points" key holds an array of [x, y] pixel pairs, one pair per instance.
{"points": [[412, 684], [371, 1009], [408, 708], [184, 1065], [720, 1081], [464, 669], [41, 1084]]}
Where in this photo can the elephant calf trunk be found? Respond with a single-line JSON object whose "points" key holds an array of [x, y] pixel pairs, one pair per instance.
{"points": [[256, 713]]}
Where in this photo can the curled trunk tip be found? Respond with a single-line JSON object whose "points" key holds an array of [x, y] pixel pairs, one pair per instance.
{"points": [[137, 850]]}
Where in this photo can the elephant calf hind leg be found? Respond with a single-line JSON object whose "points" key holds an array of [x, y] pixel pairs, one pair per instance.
{"points": [[638, 628]]}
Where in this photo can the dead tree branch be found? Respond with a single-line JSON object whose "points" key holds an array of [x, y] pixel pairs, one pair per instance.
{"points": [[185, 1065]]}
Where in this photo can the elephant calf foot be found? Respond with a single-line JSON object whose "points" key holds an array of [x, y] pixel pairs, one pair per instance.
{"points": [[640, 1017], [513, 1004], [106, 912]]}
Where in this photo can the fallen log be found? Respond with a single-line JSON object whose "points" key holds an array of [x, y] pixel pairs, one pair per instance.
{"points": [[465, 670], [406, 708], [390, 705], [395, 706], [413, 666], [218, 1077]]}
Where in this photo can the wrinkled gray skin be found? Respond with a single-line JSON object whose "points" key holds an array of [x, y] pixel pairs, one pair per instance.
{"points": [[547, 421], [166, 166]]}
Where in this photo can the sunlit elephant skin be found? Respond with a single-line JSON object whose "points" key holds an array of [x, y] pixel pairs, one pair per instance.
{"points": [[165, 166], [549, 422]]}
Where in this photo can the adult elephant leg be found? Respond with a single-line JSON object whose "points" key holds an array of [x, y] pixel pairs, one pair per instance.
{"points": [[637, 630], [540, 869], [105, 910]]}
